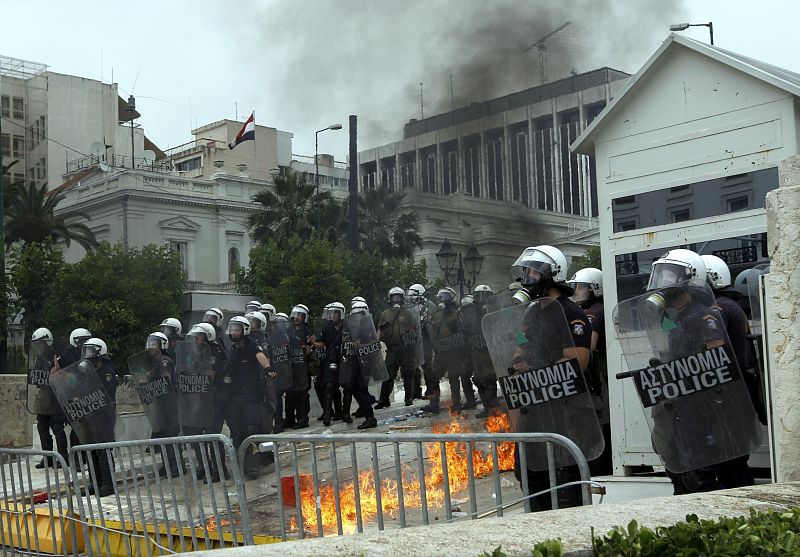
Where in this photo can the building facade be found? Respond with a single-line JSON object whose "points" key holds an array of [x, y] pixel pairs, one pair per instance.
{"points": [[55, 123], [499, 174]]}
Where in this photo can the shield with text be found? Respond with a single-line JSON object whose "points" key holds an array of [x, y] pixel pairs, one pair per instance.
{"points": [[153, 380], [686, 376], [541, 379], [194, 371], [85, 402]]}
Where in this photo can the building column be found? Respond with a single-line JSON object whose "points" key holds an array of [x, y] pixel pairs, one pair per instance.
{"points": [[397, 171], [781, 329], [484, 164], [439, 182], [529, 156], [558, 193], [417, 166], [377, 169], [505, 154], [461, 176]]}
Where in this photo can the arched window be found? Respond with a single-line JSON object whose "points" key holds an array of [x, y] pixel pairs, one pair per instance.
{"points": [[233, 262]]}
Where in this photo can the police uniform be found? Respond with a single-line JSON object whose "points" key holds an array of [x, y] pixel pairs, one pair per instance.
{"points": [[222, 399], [164, 366], [696, 325], [248, 388], [597, 379], [736, 472], [104, 461], [352, 376], [328, 378], [549, 343], [298, 404], [50, 422], [427, 309], [392, 324], [483, 374]]}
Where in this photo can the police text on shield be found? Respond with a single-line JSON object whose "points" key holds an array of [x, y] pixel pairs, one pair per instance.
{"points": [[543, 385]]}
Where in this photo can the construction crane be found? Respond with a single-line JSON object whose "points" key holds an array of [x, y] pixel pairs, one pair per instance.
{"points": [[542, 47]]}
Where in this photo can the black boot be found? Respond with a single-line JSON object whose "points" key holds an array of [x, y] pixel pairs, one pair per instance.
{"points": [[327, 402], [433, 407], [408, 386], [369, 423], [347, 399], [337, 404]]}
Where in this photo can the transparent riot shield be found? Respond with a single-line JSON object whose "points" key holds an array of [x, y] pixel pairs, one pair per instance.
{"points": [[193, 368], [544, 387], [348, 354], [85, 402], [367, 347], [40, 397], [408, 320], [471, 317], [298, 361], [685, 373], [499, 301], [278, 340], [449, 344], [154, 384]]}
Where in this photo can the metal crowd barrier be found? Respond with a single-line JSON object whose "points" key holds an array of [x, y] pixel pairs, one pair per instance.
{"points": [[157, 508], [36, 514], [348, 482]]}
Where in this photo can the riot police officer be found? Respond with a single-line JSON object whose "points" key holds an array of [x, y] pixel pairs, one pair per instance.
{"points": [[204, 336], [42, 347], [162, 365], [426, 308], [172, 328], [588, 286], [298, 404], [329, 342], [357, 386], [252, 305], [483, 374], [391, 325], [542, 270], [77, 338], [248, 368], [215, 318], [459, 376], [735, 472], [96, 351]]}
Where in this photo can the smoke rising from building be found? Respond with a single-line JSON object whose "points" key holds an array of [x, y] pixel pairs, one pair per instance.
{"points": [[327, 59]]}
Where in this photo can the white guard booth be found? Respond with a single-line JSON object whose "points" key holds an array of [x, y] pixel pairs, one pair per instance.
{"points": [[684, 155]]}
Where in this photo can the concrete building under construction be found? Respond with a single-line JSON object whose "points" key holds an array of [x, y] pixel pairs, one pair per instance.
{"points": [[499, 174]]}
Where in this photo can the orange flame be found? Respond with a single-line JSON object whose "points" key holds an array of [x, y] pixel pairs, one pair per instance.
{"points": [[457, 475], [211, 523]]}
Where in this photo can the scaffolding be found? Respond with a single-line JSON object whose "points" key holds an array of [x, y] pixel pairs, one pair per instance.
{"points": [[20, 69]]}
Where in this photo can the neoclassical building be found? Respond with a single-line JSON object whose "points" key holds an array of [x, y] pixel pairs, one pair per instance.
{"points": [[499, 174]]}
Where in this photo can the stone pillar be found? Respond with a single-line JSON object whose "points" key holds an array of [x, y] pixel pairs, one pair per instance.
{"points": [[782, 327]]}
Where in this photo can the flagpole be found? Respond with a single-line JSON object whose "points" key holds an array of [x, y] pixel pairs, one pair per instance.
{"points": [[255, 157]]}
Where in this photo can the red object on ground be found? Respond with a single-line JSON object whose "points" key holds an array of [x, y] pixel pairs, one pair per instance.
{"points": [[287, 487]]}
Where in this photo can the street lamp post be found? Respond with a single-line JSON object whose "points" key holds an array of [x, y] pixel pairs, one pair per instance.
{"points": [[316, 163], [685, 26], [467, 269]]}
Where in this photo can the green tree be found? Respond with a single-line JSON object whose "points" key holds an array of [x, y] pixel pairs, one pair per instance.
{"points": [[384, 228], [589, 259], [289, 209], [30, 217], [120, 296], [34, 269]]}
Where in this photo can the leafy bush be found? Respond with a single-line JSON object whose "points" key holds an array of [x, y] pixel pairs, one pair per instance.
{"points": [[770, 533]]}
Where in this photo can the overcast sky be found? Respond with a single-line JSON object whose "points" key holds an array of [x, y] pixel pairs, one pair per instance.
{"points": [[304, 64]]}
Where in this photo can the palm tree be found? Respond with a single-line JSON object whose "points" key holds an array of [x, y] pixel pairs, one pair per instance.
{"points": [[384, 228], [290, 208], [30, 218]]}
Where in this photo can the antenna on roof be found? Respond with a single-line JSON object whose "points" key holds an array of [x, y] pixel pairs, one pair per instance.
{"points": [[542, 47]]}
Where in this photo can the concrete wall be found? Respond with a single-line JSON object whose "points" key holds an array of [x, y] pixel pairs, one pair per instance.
{"points": [[17, 422], [782, 325]]}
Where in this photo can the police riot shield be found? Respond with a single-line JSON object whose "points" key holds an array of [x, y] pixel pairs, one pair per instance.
{"points": [[367, 347], [411, 337], [193, 368], [686, 376], [471, 317], [348, 354], [448, 341], [40, 399], [153, 382], [299, 363], [85, 402], [278, 340], [499, 301], [542, 382]]}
